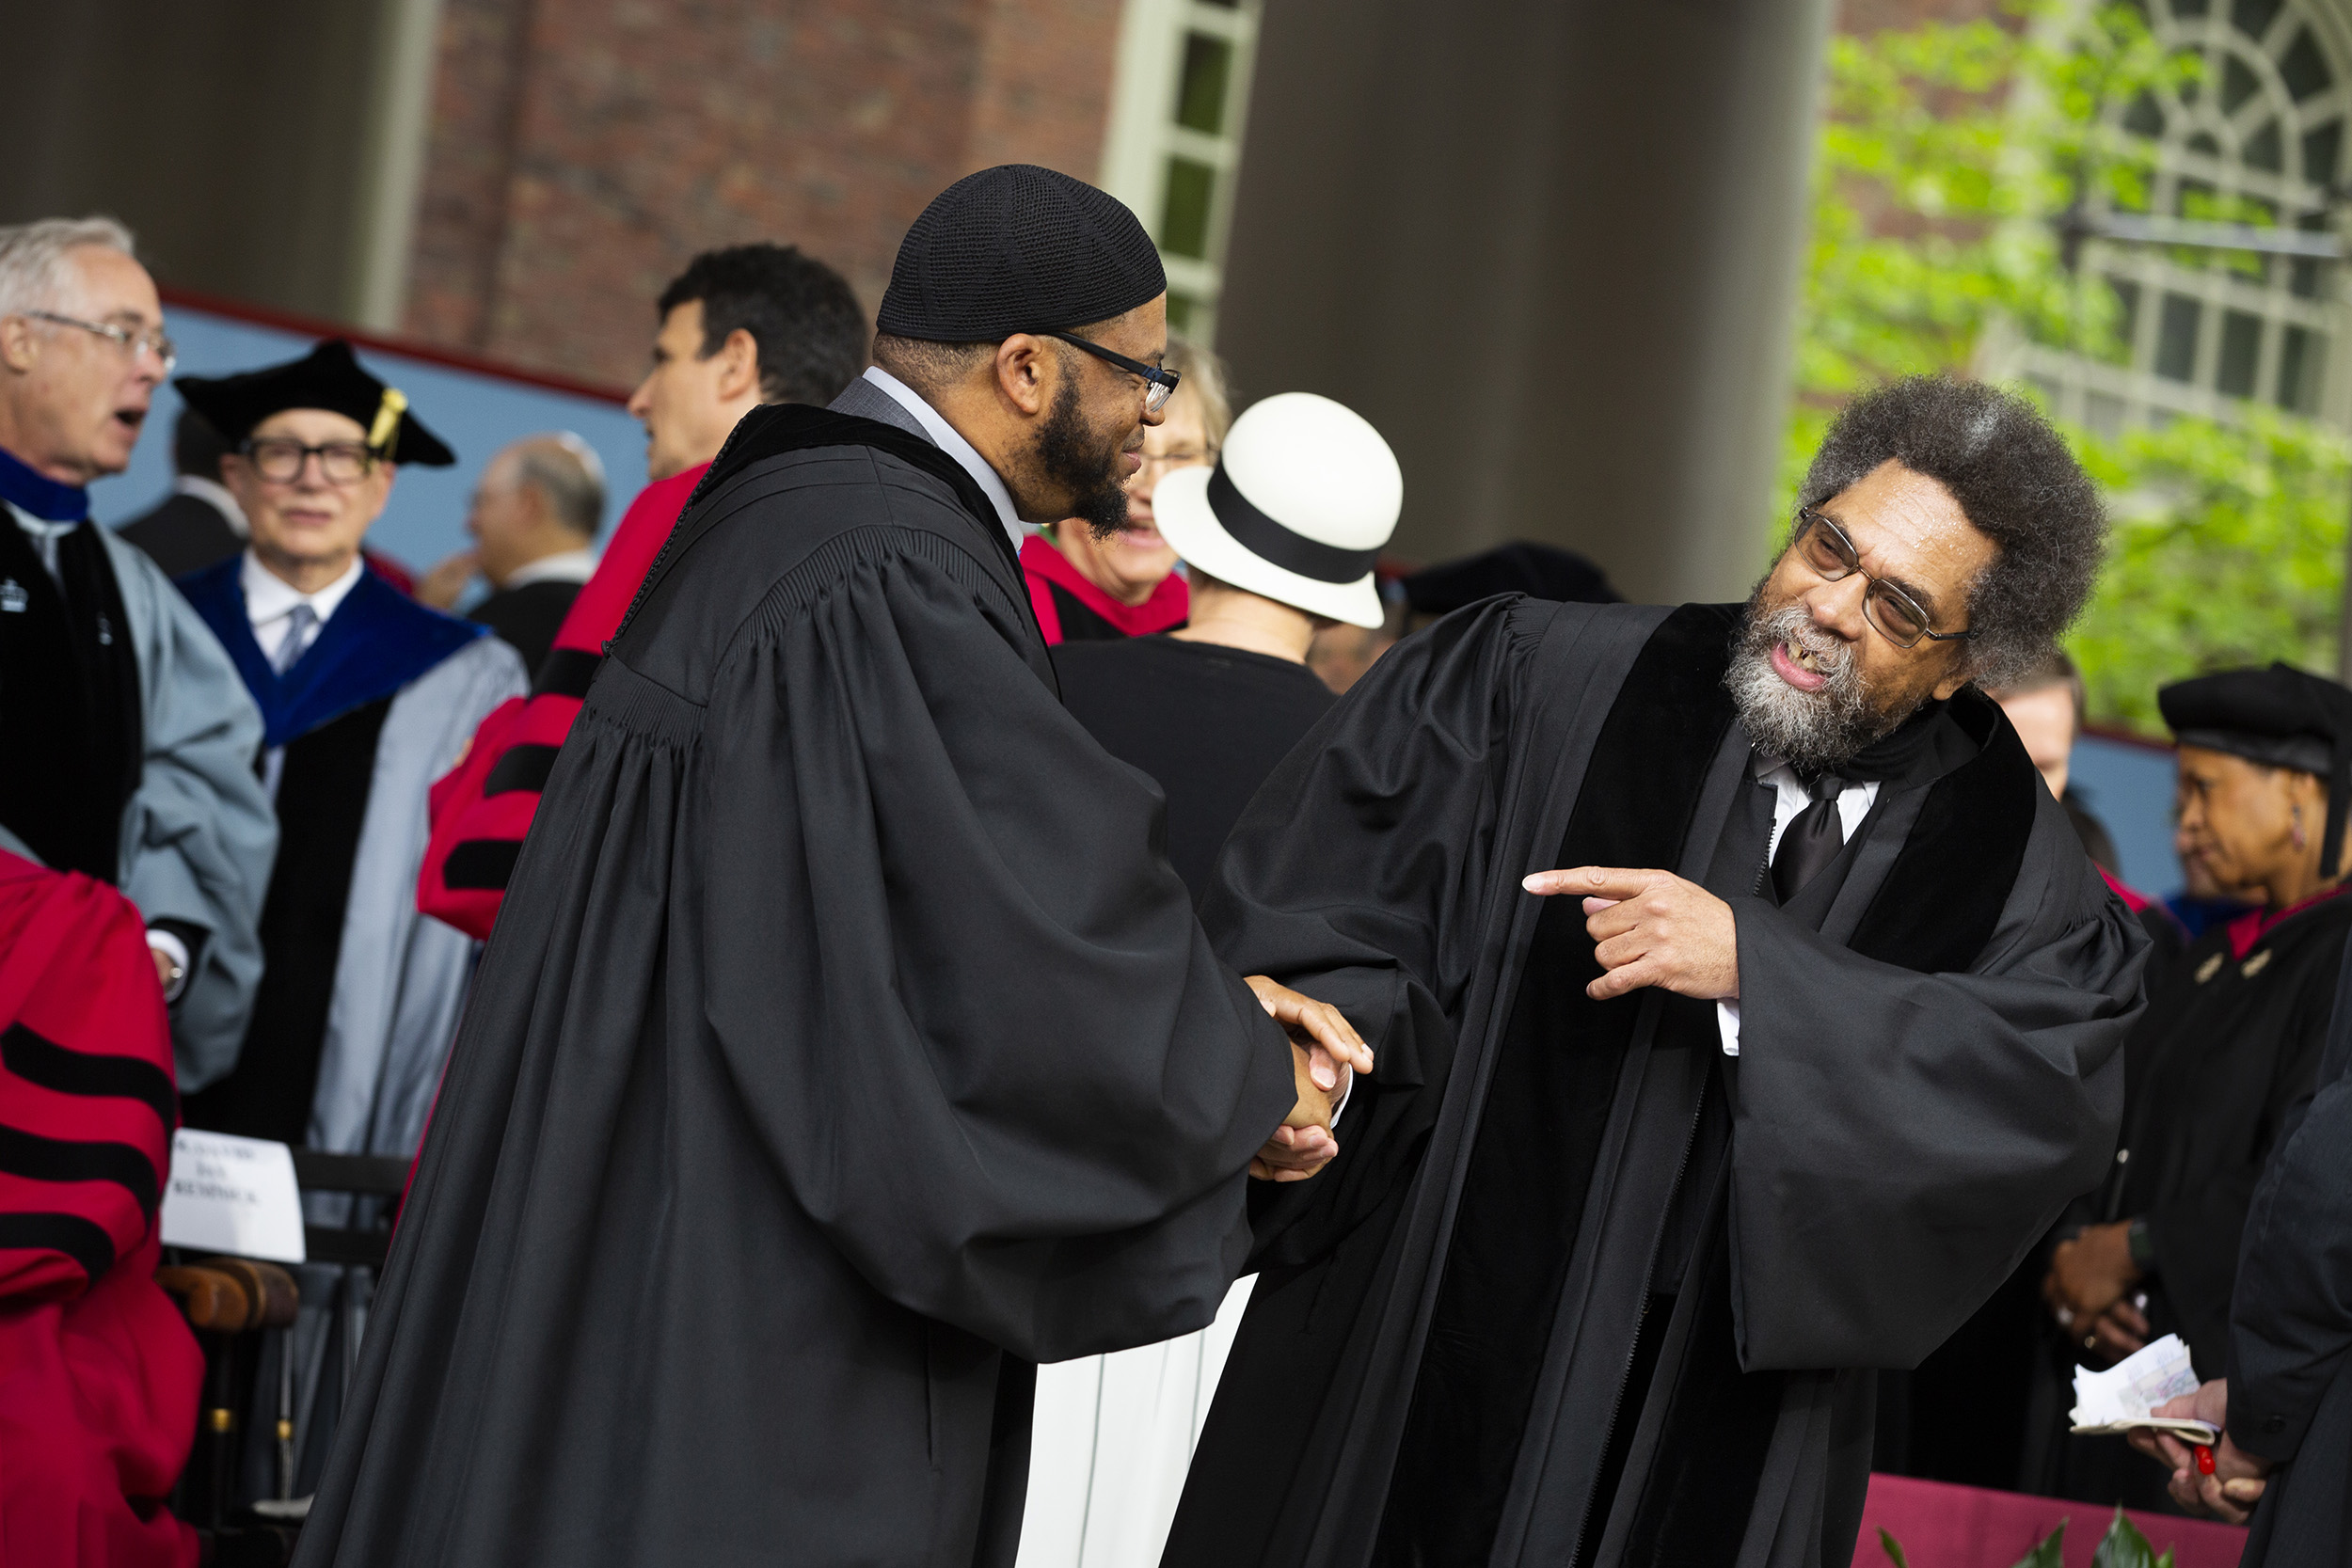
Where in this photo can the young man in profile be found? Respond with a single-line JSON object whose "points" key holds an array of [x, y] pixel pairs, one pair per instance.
{"points": [[740, 327]]}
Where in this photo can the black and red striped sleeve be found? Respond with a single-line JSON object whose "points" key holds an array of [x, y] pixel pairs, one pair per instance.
{"points": [[88, 1104]]}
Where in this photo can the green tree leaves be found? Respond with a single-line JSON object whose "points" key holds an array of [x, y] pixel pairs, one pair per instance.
{"points": [[1950, 155]]}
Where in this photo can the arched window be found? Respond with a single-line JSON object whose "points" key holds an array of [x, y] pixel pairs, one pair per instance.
{"points": [[2258, 139]]}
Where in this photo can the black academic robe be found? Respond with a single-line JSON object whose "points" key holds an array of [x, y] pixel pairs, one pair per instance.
{"points": [[1579, 1285], [527, 618], [69, 702], [1207, 722], [2291, 1324], [816, 1082], [2230, 1044]]}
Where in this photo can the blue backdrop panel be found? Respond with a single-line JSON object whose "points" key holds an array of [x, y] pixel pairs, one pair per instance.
{"points": [[2129, 787], [475, 413]]}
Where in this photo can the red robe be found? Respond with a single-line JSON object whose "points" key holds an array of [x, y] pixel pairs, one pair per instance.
{"points": [[1062, 597], [482, 809], [99, 1372]]}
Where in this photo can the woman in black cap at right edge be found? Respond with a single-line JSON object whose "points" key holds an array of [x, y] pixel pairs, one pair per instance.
{"points": [[2230, 1041]]}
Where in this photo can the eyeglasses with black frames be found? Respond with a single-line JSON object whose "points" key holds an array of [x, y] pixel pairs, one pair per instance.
{"points": [[1825, 550], [1159, 384], [153, 340], [280, 459]]}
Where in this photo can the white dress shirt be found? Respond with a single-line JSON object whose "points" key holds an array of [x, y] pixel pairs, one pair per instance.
{"points": [[270, 599], [1790, 797], [967, 456]]}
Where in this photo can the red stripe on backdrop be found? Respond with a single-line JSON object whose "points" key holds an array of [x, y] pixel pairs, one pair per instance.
{"points": [[432, 353], [1941, 1526]]}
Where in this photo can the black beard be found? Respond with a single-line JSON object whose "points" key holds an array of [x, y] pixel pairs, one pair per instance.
{"points": [[1068, 455], [1820, 731]]}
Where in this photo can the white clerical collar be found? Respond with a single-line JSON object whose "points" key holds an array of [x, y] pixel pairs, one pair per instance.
{"points": [[949, 441], [216, 495], [563, 566], [269, 598]]}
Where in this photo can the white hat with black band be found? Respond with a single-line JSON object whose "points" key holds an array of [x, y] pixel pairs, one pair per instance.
{"points": [[1297, 509]]}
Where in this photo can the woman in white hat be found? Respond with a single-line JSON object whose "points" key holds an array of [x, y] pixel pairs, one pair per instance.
{"points": [[1279, 540]]}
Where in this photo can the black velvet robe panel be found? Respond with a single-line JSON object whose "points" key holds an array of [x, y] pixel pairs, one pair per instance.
{"points": [[1930, 1067], [321, 804], [2291, 1324], [816, 1081]]}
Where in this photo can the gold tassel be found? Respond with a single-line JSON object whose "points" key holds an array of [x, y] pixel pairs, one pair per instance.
{"points": [[386, 435]]}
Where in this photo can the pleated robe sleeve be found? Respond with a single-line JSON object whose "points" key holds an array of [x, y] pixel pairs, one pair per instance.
{"points": [[961, 993], [1359, 874], [198, 837], [1900, 1139]]}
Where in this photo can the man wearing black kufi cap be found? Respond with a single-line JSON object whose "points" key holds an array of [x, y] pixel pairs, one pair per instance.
{"points": [[366, 698], [2230, 1041], [816, 1081]]}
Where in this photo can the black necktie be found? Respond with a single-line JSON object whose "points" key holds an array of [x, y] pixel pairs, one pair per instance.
{"points": [[1811, 840]]}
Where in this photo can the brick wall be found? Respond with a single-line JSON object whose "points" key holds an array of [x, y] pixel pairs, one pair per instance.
{"points": [[583, 150]]}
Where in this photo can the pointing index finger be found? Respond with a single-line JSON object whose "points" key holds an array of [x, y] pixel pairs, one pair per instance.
{"points": [[1593, 881]]}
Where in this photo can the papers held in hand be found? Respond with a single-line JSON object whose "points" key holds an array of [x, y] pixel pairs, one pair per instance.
{"points": [[2119, 1399]]}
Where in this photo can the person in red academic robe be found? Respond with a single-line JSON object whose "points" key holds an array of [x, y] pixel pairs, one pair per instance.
{"points": [[99, 1374]]}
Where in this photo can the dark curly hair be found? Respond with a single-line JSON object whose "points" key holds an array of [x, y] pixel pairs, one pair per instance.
{"points": [[807, 323], [2014, 480]]}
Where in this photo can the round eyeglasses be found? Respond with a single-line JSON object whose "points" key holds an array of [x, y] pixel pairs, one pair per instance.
{"points": [[1825, 550]]}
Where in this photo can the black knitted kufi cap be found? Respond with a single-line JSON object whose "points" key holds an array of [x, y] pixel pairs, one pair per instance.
{"points": [[2280, 717], [1018, 248]]}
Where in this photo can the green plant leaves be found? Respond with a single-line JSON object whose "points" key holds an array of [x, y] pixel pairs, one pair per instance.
{"points": [[2047, 1555], [2123, 1546]]}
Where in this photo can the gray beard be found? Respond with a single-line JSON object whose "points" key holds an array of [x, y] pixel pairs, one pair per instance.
{"points": [[1817, 731]]}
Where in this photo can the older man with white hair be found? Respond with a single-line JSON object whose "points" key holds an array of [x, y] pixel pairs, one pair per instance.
{"points": [[131, 736]]}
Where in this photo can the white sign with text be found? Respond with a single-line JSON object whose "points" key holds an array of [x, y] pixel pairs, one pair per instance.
{"points": [[233, 1195]]}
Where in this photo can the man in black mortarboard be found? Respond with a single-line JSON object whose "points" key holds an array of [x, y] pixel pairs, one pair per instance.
{"points": [[1746, 1009], [366, 698], [816, 1081], [2230, 1041]]}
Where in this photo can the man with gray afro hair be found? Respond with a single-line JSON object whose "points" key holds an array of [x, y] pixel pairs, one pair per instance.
{"points": [[1832, 976], [2013, 480]]}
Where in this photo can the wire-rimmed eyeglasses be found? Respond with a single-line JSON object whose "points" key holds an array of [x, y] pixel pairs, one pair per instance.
{"points": [[153, 340], [1826, 551], [1159, 384]]}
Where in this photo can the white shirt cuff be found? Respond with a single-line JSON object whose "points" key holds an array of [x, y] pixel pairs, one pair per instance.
{"points": [[1347, 1086], [1727, 1025], [177, 951]]}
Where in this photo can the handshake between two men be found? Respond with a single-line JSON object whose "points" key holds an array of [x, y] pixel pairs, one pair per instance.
{"points": [[1651, 928]]}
